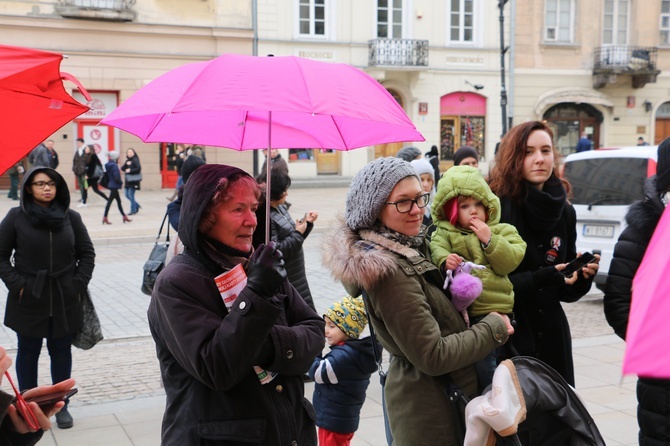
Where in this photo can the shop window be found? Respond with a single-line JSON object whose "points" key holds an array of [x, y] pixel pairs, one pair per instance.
{"points": [[458, 131], [297, 155]]}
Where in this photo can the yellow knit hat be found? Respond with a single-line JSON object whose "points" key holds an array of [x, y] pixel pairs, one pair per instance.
{"points": [[349, 315]]}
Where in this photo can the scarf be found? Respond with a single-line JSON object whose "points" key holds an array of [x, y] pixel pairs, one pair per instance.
{"points": [[544, 208], [52, 216], [223, 255], [395, 236]]}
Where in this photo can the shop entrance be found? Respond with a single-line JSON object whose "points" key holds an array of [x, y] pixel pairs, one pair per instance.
{"points": [[462, 123], [569, 120]]}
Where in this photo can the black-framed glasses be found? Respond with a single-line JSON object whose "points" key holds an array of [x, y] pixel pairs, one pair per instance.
{"points": [[404, 206], [43, 184]]}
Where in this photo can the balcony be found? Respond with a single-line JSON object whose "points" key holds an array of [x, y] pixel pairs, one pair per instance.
{"points": [[108, 10], [398, 53], [635, 61]]}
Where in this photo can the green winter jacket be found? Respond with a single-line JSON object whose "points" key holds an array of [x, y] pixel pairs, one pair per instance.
{"points": [[417, 324], [503, 254]]}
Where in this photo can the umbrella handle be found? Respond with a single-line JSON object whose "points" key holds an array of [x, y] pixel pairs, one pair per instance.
{"points": [[74, 80]]}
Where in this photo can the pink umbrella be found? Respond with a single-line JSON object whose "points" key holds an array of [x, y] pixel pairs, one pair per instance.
{"points": [[648, 328], [247, 102]]}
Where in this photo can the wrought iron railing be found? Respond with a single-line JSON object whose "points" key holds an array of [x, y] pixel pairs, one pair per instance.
{"points": [[108, 10], [116, 5], [624, 58], [398, 52]]}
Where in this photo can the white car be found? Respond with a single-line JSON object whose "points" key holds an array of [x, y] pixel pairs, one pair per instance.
{"points": [[605, 182]]}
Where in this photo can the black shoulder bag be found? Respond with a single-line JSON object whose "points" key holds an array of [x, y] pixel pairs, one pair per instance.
{"points": [[156, 262]]}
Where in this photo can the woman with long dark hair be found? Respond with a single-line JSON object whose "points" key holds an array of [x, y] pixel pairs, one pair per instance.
{"points": [[114, 184], [131, 168], [535, 200], [94, 170]]}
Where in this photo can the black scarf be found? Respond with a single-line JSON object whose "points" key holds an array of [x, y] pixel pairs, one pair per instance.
{"points": [[52, 216], [544, 208], [224, 255]]}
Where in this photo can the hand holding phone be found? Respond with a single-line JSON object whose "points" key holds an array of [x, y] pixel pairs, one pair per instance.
{"points": [[49, 399], [578, 264]]}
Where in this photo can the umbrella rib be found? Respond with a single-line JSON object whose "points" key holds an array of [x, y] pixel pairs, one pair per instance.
{"points": [[344, 143], [155, 124], [244, 129]]}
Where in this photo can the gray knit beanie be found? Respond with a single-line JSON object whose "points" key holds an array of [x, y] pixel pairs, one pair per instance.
{"points": [[371, 188], [408, 153]]}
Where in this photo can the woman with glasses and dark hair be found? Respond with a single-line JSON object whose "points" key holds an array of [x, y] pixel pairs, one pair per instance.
{"points": [[46, 262], [380, 249]]}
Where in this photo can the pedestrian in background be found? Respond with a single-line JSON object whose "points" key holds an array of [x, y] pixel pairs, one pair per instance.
{"points": [[433, 158], [427, 175], [94, 171], [14, 173], [174, 208], [466, 156], [534, 200], [653, 413], [409, 153], [231, 370], [288, 234], [584, 144], [342, 376], [379, 249], [642, 142], [114, 183], [79, 162], [46, 262], [39, 157], [276, 163], [179, 157], [53, 155], [132, 166]]}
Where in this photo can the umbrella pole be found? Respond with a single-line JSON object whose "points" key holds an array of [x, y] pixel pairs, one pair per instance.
{"points": [[268, 169]]}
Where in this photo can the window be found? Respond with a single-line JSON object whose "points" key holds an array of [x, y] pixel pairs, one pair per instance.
{"points": [[559, 16], [389, 19], [461, 21], [615, 23], [300, 155], [312, 18], [665, 22]]}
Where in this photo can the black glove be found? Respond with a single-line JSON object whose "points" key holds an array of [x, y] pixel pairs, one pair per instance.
{"points": [[548, 276], [266, 270]]}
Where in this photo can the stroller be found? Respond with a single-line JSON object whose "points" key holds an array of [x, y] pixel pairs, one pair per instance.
{"points": [[528, 403]]}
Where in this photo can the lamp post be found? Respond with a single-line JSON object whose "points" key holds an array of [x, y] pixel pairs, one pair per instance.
{"points": [[503, 50]]}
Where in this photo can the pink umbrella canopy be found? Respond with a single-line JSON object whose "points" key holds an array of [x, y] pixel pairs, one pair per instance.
{"points": [[249, 102], [648, 329], [229, 101]]}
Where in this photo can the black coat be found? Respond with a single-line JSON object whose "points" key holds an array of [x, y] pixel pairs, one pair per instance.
{"points": [[547, 223], [135, 167], [207, 353], [653, 395], [289, 242], [53, 266]]}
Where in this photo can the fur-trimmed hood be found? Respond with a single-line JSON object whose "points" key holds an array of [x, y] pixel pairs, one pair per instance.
{"points": [[359, 259]]}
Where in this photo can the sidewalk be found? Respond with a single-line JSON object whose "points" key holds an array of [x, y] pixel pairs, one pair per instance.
{"points": [[120, 399]]}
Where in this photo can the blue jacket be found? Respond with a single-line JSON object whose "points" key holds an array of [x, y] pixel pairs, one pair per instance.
{"points": [[584, 145], [340, 381], [114, 174]]}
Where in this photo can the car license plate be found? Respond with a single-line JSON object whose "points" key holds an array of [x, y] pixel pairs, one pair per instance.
{"points": [[598, 231]]}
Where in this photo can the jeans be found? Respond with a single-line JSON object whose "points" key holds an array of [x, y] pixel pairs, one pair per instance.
{"points": [[28, 354], [13, 186], [81, 182], [130, 195]]}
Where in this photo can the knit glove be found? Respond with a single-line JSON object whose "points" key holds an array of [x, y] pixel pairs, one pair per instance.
{"points": [[267, 271]]}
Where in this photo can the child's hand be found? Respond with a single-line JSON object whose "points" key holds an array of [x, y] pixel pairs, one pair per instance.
{"points": [[481, 230], [453, 260]]}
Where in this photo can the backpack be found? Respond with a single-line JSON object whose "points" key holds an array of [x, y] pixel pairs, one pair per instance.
{"points": [[104, 180]]}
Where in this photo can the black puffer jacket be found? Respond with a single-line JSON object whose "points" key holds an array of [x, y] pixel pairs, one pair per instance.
{"points": [[53, 260], [289, 242], [653, 395], [207, 353]]}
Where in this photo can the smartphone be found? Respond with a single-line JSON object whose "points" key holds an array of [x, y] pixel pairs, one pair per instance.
{"points": [[304, 217], [48, 400], [578, 264]]}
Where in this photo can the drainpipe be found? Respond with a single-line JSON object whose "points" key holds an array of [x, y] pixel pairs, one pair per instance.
{"points": [[503, 50]]}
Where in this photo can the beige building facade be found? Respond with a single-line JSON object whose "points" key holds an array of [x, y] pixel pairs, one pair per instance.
{"points": [[594, 67]]}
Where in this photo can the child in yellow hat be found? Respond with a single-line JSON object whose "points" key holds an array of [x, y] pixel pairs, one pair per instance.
{"points": [[341, 377]]}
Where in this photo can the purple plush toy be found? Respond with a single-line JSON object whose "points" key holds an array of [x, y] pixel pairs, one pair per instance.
{"points": [[464, 287]]}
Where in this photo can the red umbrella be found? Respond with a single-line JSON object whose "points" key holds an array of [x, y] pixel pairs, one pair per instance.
{"points": [[33, 101]]}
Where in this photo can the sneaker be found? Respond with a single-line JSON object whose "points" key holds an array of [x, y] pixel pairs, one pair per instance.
{"points": [[64, 419], [82, 205]]}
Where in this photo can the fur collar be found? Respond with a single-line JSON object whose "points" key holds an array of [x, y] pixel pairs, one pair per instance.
{"points": [[361, 258]]}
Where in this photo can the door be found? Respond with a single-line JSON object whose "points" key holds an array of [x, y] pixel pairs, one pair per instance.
{"points": [[389, 149], [327, 161], [662, 130]]}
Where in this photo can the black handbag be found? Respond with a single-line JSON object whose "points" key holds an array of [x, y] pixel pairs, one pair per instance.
{"points": [[156, 261], [91, 332]]}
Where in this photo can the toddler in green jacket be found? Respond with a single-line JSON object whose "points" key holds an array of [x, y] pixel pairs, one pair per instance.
{"points": [[467, 216]]}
